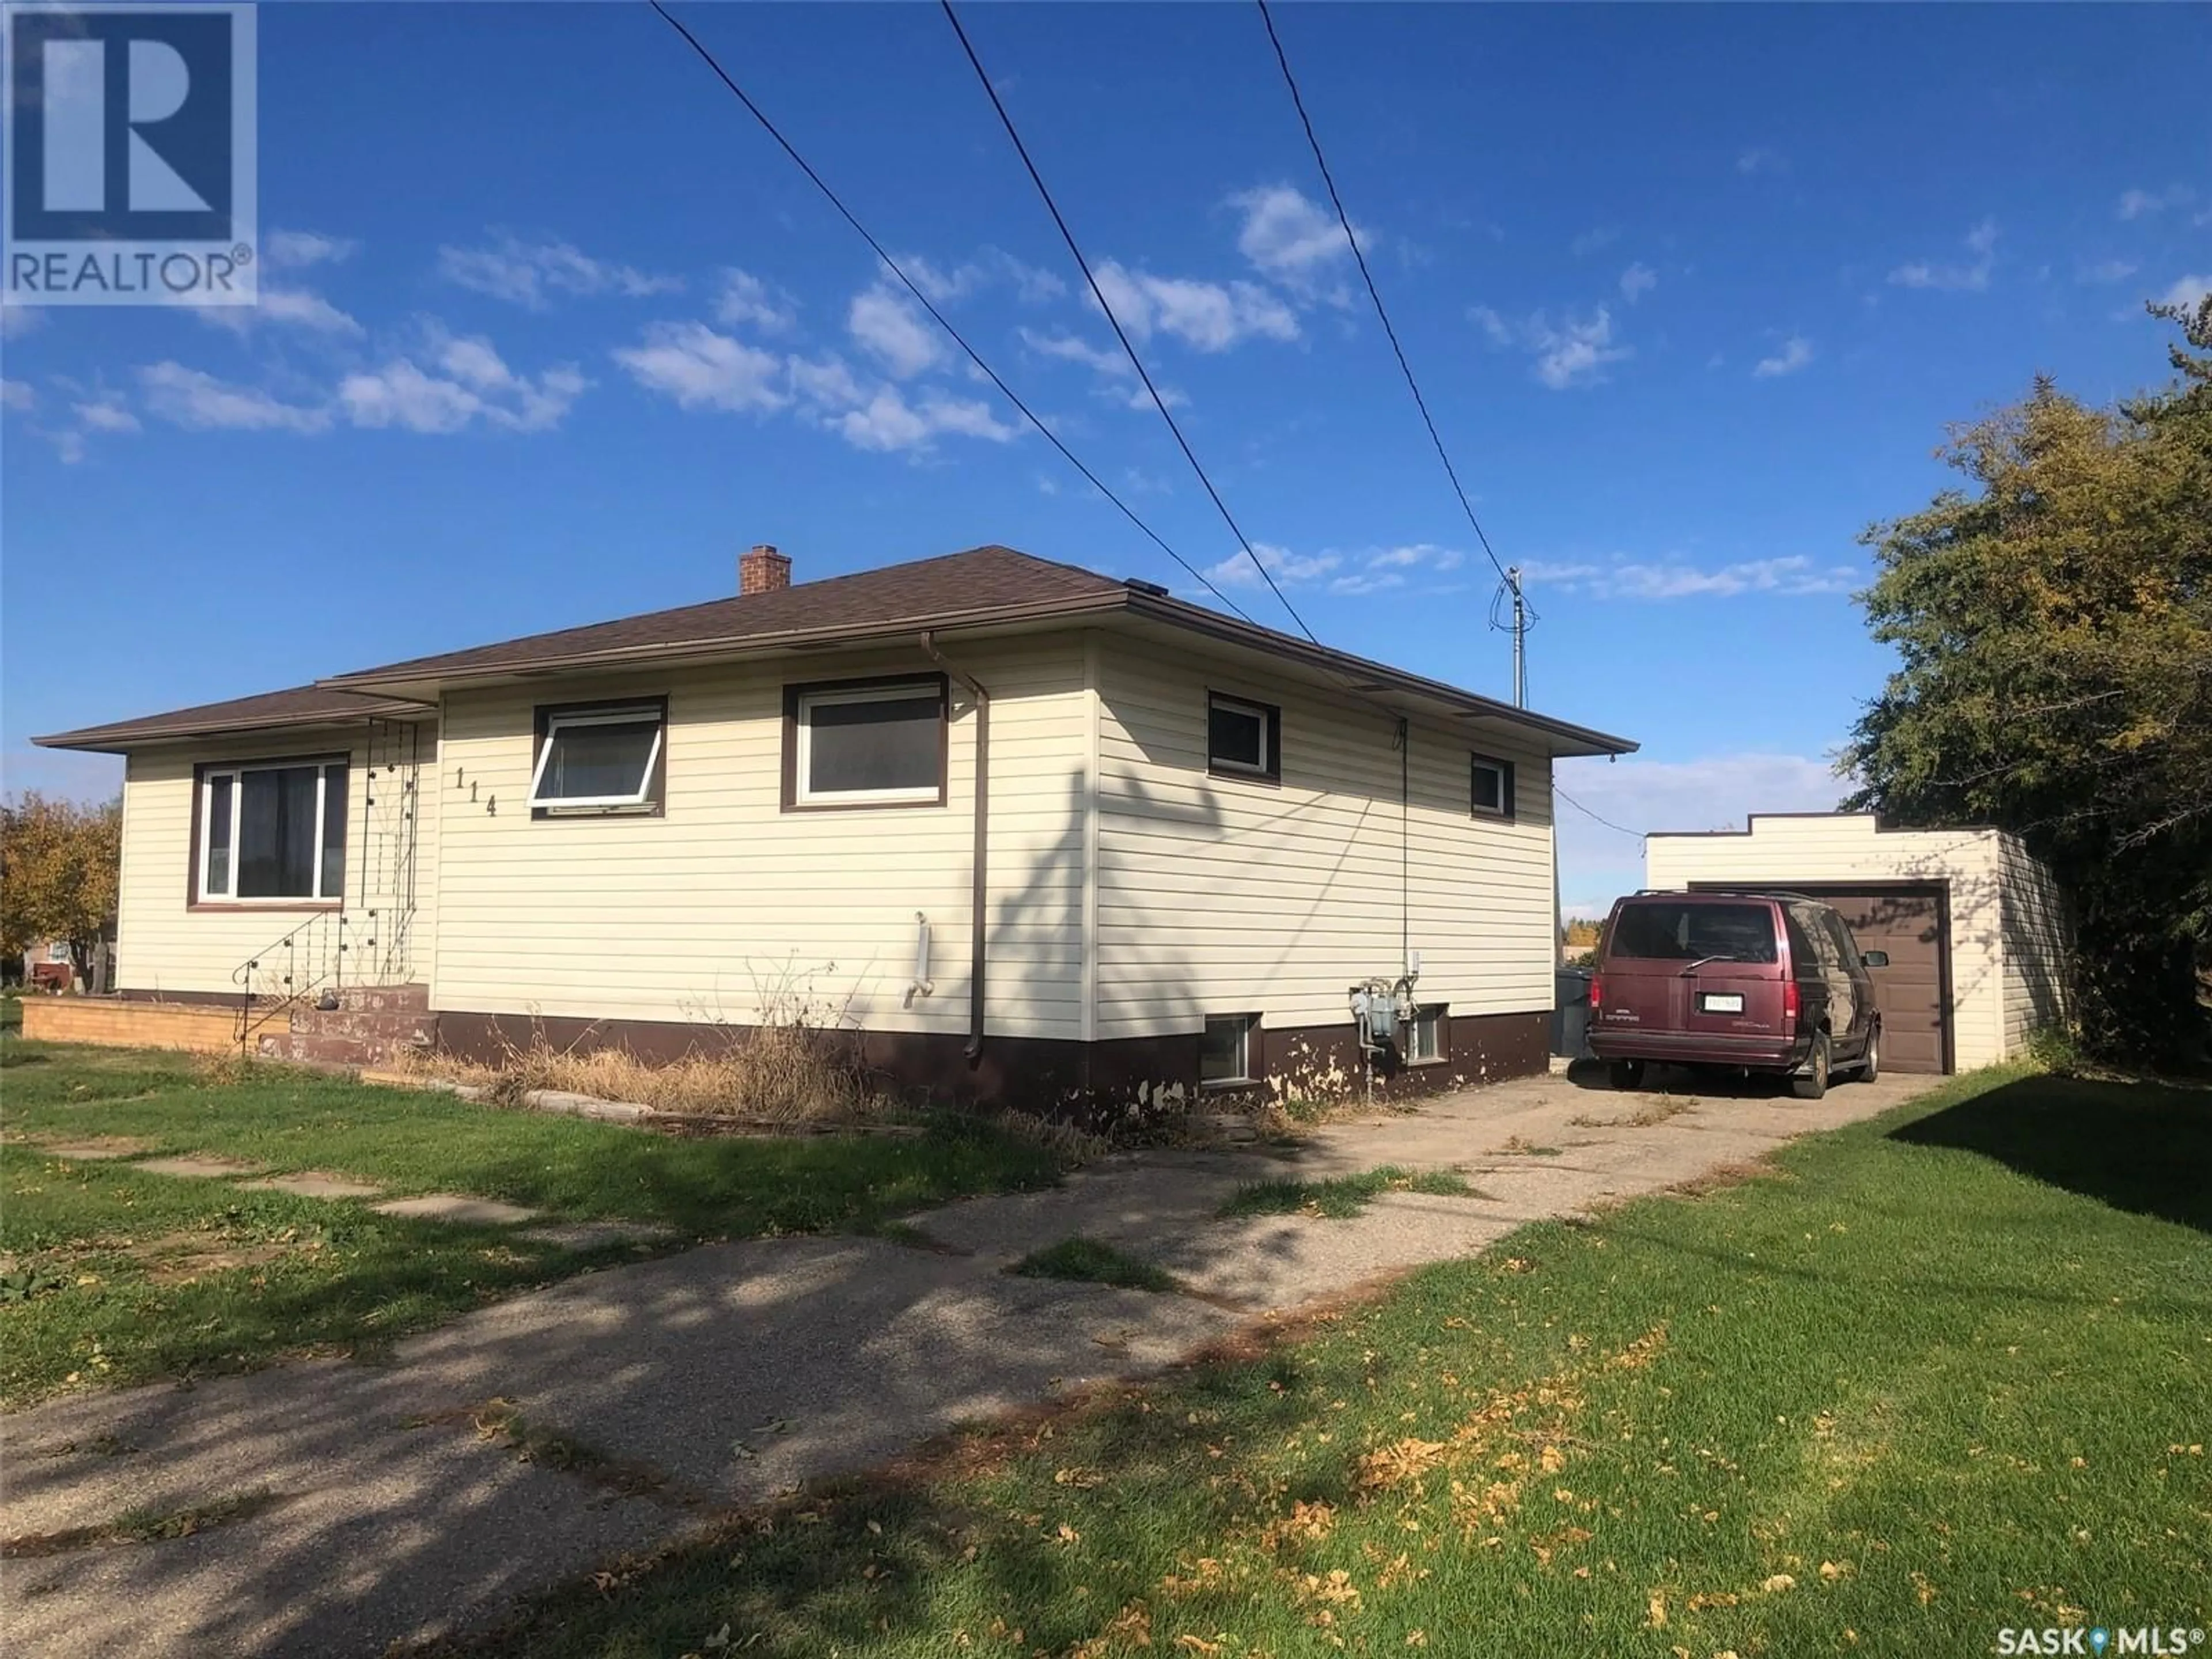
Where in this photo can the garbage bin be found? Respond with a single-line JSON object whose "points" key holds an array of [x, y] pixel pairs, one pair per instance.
{"points": [[1570, 1013]]}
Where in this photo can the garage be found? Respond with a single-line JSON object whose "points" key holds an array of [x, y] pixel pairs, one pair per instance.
{"points": [[1974, 928], [1913, 993]]}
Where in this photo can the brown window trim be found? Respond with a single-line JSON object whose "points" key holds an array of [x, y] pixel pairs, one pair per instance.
{"points": [[656, 787], [305, 906], [1507, 789], [797, 689], [1273, 773]]}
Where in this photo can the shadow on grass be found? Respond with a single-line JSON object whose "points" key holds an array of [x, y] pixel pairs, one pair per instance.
{"points": [[2142, 1147]]}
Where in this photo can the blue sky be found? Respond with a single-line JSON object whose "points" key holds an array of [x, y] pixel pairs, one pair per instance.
{"points": [[552, 332]]}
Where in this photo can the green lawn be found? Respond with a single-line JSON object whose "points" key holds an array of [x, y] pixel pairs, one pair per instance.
{"points": [[1940, 1374], [134, 1275]]}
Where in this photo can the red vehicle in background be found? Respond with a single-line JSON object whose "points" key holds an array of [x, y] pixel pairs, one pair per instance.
{"points": [[1763, 982]]}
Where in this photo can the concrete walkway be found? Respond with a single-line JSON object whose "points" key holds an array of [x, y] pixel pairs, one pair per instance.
{"points": [[393, 1506]]}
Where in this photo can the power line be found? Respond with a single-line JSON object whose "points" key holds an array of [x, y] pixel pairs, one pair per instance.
{"points": [[1587, 813], [958, 339], [1120, 334], [1373, 293]]}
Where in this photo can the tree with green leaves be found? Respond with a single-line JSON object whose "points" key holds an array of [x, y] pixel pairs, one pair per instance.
{"points": [[60, 863], [2053, 622]]}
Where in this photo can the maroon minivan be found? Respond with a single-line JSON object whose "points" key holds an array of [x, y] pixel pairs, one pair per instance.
{"points": [[1768, 983]]}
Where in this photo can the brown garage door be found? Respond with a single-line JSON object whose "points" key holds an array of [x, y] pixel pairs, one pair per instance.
{"points": [[1907, 922]]}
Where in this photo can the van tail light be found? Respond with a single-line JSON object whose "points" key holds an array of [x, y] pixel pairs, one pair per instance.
{"points": [[1790, 1008], [1597, 992]]}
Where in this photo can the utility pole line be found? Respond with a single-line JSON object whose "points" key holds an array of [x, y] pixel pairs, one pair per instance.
{"points": [[1520, 635]]}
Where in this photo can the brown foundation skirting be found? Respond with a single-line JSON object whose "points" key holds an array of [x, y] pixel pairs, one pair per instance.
{"points": [[1097, 1083]]}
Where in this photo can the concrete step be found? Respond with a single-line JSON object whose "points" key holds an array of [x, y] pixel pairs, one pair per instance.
{"points": [[417, 1027], [385, 998], [326, 1050]]}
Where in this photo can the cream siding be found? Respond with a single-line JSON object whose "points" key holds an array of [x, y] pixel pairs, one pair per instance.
{"points": [[2000, 901], [726, 908], [1219, 894], [2037, 943], [166, 945]]}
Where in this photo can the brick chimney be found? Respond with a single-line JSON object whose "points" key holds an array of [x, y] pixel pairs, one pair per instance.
{"points": [[763, 570]]}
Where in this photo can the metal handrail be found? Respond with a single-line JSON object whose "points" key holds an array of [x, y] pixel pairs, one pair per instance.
{"points": [[321, 940]]}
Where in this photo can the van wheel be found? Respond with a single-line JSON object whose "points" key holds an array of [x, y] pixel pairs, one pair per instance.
{"points": [[1870, 1068], [1626, 1073], [1812, 1083]]}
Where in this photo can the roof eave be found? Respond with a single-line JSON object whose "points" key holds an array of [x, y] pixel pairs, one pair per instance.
{"points": [[1564, 737], [122, 737]]}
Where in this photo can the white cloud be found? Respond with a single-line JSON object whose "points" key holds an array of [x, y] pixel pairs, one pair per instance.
{"points": [[1713, 792], [297, 249], [2189, 292], [1758, 160], [1032, 285], [1206, 316], [888, 422], [702, 369], [1101, 359], [827, 382], [1595, 239], [2109, 271], [890, 327], [188, 398], [946, 283], [104, 414], [1796, 352], [469, 382], [1791, 576], [1370, 570], [1118, 381], [1291, 237], [1981, 242], [294, 307], [1573, 353], [943, 283], [18, 395], [2143, 204], [745, 299], [1638, 280], [16, 321], [527, 273]]}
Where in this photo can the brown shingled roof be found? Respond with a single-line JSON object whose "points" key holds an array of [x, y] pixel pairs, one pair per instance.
{"points": [[303, 705], [936, 593], [983, 588]]}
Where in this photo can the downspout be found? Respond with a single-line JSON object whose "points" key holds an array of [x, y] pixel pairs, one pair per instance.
{"points": [[979, 901]]}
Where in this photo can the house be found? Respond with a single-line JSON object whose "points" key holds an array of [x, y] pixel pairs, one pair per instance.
{"points": [[1975, 929], [1043, 837], [49, 964]]}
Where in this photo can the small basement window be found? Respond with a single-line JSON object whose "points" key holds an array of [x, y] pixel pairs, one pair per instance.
{"points": [[880, 744], [1490, 795], [1244, 740], [1424, 1034], [272, 833], [1224, 1053], [598, 757]]}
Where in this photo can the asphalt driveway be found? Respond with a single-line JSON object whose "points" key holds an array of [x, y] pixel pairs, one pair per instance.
{"points": [[372, 1504]]}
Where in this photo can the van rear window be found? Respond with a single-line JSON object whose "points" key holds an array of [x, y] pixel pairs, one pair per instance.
{"points": [[1686, 933]]}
